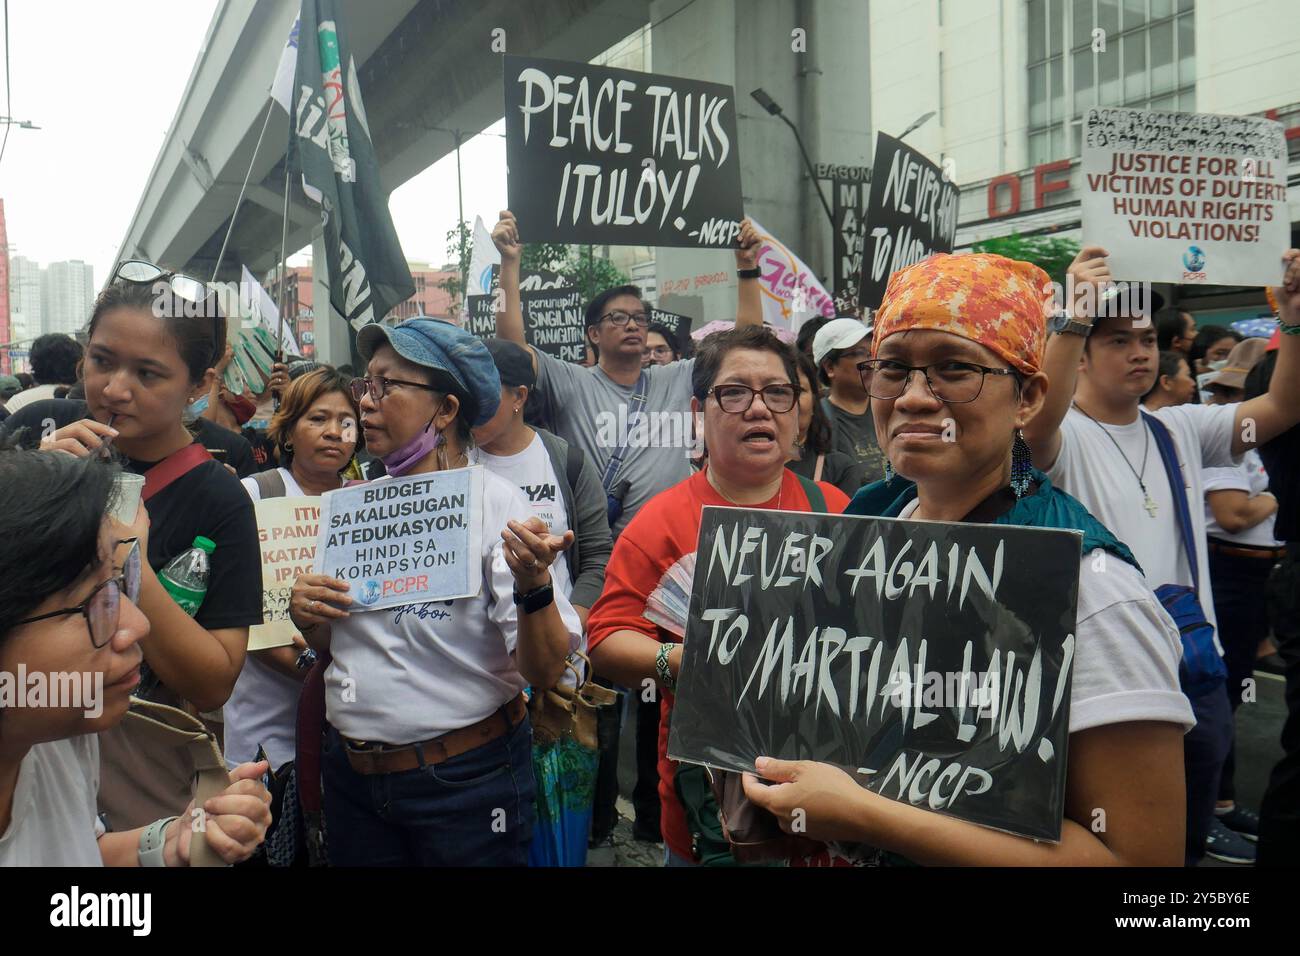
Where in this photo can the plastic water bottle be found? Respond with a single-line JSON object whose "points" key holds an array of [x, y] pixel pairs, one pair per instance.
{"points": [[186, 577]]}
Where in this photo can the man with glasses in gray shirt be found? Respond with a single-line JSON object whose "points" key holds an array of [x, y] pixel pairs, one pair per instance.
{"points": [[616, 405]]}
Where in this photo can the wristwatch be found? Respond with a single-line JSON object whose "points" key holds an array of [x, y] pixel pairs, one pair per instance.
{"points": [[152, 840], [536, 599], [1062, 324], [755, 273]]}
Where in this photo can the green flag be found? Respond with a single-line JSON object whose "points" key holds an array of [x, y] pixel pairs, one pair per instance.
{"points": [[329, 143]]}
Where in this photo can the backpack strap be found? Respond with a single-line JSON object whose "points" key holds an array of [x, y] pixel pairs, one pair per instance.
{"points": [[270, 483], [573, 467], [174, 466], [816, 499], [1174, 472], [633, 414]]}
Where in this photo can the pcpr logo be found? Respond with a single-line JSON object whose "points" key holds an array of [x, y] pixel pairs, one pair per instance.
{"points": [[368, 593], [1194, 263]]}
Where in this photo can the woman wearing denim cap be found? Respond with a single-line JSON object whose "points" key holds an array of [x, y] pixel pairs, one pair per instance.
{"points": [[974, 327], [427, 760]]}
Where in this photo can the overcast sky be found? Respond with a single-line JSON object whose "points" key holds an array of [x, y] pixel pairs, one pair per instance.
{"points": [[103, 78]]}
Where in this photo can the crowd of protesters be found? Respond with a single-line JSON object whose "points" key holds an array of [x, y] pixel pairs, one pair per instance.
{"points": [[405, 736]]}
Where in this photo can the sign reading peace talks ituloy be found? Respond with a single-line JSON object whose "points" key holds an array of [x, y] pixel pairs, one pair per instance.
{"points": [[929, 660], [616, 157]]}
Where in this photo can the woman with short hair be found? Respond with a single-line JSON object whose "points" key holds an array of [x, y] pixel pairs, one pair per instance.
{"points": [[428, 757], [315, 434], [746, 398], [69, 582]]}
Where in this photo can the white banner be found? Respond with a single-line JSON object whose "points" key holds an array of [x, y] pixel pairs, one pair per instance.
{"points": [[792, 293], [1186, 197], [484, 256], [262, 308]]}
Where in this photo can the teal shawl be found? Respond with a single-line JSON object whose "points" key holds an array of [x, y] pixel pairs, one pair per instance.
{"points": [[1048, 507]]}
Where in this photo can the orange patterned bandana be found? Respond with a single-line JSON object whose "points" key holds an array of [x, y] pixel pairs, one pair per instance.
{"points": [[998, 302]]}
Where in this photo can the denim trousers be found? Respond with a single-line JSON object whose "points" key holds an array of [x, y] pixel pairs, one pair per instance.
{"points": [[475, 809], [1205, 747]]}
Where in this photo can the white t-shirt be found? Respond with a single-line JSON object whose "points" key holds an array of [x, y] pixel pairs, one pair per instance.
{"points": [[1127, 649], [1251, 478], [55, 821], [410, 673], [531, 471], [1091, 469], [37, 394], [263, 708]]}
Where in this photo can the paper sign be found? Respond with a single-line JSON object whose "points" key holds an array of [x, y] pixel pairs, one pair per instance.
{"points": [[286, 533], [1186, 197], [405, 540], [553, 322]]}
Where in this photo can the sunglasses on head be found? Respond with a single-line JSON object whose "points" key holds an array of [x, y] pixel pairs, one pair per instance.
{"points": [[185, 287], [103, 606]]}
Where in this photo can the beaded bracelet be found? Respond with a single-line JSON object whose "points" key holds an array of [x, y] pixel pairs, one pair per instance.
{"points": [[661, 666], [1289, 329]]}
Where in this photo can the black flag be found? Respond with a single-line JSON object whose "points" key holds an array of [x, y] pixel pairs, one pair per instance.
{"points": [[330, 145]]}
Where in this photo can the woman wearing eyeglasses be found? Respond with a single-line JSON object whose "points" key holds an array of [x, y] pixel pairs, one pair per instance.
{"points": [[954, 377], [428, 759], [746, 397], [154, 339], [69, 583]]}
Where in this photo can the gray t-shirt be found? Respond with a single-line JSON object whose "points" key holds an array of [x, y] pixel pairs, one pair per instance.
{"points": [[587, 408], [855, 436]]}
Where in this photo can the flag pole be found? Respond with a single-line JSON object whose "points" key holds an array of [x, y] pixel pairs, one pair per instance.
{"points": [[284, 263], [239, 201]]}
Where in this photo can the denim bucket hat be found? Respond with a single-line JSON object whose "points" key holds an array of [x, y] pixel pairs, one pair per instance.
{"points": [[448, 348]]}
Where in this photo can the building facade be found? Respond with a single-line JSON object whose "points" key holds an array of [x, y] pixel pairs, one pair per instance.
{"points": [[67, 296], [1010, 81]]}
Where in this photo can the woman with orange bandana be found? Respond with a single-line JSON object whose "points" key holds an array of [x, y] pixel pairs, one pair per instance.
{"points": [[958, 346]]}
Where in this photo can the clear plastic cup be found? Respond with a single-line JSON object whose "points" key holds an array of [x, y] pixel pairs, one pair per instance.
{"points": [[126, 496]]}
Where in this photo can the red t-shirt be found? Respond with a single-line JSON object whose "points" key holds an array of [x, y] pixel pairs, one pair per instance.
{"points": [[666, 528]]}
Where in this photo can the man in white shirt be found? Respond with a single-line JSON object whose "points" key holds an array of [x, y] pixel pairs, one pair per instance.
{"points": [[1093, 443]]}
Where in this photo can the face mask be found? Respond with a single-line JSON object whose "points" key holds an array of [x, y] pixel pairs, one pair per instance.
{"points": [[409, 455], [1216, 366], [196, 409]]}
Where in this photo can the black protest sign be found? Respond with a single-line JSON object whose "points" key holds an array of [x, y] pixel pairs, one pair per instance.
{"points": [[848, 210], [931, 661], [680, 324], [532, 281], [543, 279], [616, 157], [553, 323], [911, 212], [481, 316]]}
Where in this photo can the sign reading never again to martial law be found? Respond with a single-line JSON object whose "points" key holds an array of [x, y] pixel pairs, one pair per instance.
{"points": [[406, 540], [286, 533], [617, 157], [1186, 197], [911, 213], [929, 660]]}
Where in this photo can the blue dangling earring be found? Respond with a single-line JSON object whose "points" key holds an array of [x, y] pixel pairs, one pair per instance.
{"points": [[889, 470], [1021, 465]]}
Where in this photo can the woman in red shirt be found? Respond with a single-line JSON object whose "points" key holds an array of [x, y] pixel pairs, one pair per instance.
{"points": [[746, 395]]}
